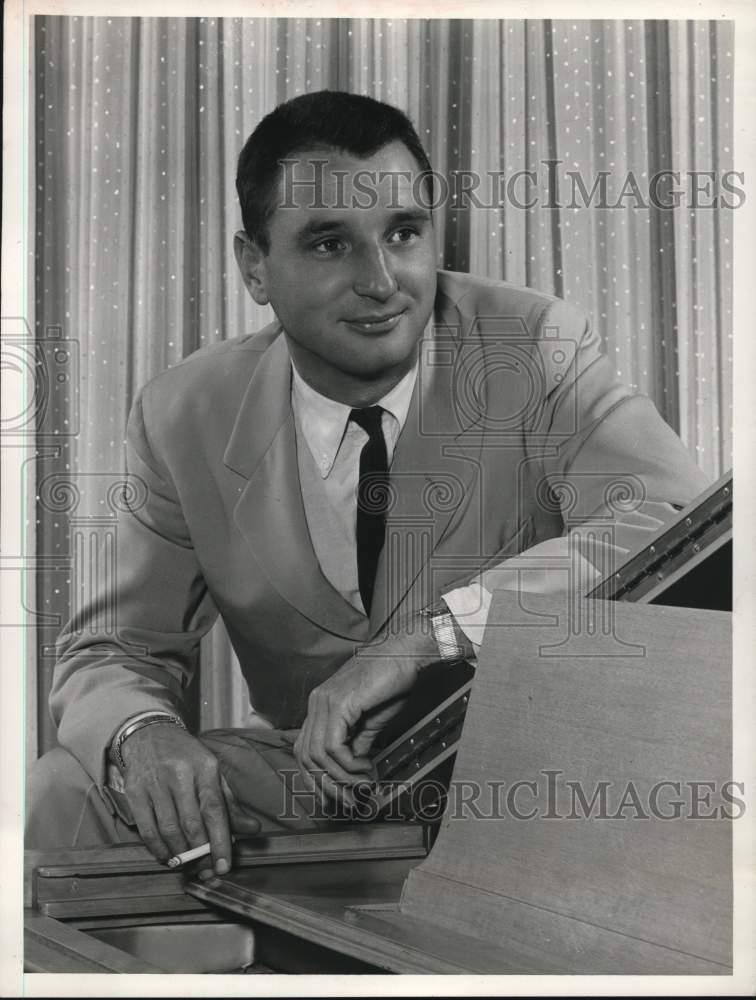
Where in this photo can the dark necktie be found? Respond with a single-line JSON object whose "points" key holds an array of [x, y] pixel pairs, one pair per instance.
{"points": [[372, 499]]}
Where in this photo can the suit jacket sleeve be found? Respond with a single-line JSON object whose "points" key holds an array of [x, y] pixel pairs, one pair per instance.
{"points": [[603, 436], [134, 645], [603, 452]]}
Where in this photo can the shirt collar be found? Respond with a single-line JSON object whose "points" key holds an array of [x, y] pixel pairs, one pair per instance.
{"points": [[323, 421]]}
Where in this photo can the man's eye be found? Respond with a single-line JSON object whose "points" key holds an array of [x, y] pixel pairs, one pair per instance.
{"points": [[330, 245], [404, 235]]}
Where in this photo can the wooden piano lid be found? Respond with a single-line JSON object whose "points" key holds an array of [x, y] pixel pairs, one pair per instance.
{"points": [[629, 703]]}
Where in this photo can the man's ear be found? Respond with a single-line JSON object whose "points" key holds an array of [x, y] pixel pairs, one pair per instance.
{"points": [[251, 261]]}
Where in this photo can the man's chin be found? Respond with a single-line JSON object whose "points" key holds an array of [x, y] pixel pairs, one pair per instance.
{"points": [[378, 355], [374, 369]]}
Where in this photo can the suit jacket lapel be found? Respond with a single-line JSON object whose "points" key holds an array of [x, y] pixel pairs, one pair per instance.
{"points": [[435, 462], [270, 512]]}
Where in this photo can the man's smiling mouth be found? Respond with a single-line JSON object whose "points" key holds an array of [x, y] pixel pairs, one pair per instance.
{"points": [[377, 323]]}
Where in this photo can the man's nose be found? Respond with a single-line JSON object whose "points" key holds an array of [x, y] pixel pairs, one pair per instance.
{"points": [[374, 275]]}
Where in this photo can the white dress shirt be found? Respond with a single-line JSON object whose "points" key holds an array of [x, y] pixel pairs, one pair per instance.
{"points": [[328, 453]]}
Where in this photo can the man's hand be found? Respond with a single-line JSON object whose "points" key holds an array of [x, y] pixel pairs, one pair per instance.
{"points": [[346, 712], [175, 791]]}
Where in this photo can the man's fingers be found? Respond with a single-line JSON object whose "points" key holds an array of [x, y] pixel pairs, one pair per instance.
{"points": [[301, 744], [342, 763], [304, 761], [327, 763], [190, 818], [326, 733], [314, 730], [312, 786], [341, 792], [321, 784], [144, 817], [169, 824], [340, 775], [215, 819], [361, 746]]}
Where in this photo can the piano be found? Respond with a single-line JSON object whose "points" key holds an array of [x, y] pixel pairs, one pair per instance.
{"points": [[585, 824]]}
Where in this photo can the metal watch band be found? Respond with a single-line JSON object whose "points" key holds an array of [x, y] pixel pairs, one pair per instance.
{"points": [[131, 728], [446, 633]]}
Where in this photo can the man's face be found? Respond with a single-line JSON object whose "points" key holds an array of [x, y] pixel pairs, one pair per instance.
{"points": [[351, 271]]}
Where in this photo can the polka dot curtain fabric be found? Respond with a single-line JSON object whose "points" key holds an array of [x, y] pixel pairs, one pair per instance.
{"points": [[138, 124]]}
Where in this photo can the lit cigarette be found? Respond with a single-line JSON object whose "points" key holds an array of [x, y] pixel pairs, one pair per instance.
{"points": [[196, 852]]}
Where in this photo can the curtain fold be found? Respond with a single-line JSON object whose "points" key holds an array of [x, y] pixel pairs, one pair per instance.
{"points": [[138, 125]]}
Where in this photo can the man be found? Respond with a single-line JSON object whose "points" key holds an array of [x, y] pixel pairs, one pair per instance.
{"points": [[397, 436]]}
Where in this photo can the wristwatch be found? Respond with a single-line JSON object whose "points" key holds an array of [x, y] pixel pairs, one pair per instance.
{"points": [[132, 726], [453, 644]]}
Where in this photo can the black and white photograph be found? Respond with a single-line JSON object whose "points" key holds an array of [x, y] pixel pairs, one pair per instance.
{"points": [[375, 391]]}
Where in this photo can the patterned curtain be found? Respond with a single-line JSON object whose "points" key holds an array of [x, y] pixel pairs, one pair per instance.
{"points": [[138, 125]]}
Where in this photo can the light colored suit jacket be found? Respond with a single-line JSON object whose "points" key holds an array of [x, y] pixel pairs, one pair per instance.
{"points": [[517, 428]]}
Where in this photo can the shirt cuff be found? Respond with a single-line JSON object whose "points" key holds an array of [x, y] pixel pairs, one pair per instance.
{"points": [[574, 562], [470, 606], [549, 567]]}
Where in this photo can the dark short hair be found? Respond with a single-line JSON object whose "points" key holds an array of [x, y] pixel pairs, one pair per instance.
{"points": [[333, 119]]}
